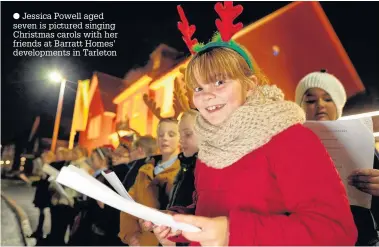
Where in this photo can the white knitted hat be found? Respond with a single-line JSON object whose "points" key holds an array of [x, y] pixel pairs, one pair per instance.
{"points": [[328, 82]]}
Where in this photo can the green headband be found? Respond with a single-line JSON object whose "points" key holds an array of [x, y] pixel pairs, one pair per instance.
{"points": [[231, 44]]}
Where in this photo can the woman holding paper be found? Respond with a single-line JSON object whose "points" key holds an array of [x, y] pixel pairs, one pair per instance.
{"points": [[322, 97]]}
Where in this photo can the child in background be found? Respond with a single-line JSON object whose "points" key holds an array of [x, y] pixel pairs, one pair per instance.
{"points": [[153, 183], [323, 97], [184, 185], [141, 152]]}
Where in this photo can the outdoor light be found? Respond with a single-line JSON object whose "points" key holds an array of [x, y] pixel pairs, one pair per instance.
{"points": [[55, 77], [2, 162], [23, 159], [7, 162]]}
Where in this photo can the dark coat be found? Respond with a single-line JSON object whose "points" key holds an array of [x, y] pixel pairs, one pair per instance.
{"points": [[96, 226], [367, 234], [184, 184], [42, 197], [131, 176], [121, 170]]}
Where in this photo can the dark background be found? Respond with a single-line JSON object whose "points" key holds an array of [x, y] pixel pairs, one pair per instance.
{"points": [[142, 26]]}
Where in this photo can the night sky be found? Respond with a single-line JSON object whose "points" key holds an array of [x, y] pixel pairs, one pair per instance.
{"points": [[141, 27]]}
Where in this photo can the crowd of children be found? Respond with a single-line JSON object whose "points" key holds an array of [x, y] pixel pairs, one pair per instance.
{"points": [[241, 167]]}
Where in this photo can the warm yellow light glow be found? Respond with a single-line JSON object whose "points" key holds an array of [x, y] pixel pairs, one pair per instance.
{"points": [[85, 96], [109, 114], [93, 87], [7, 162], [23, 159], [167, 82], [55, 77], [2, 162], [361, 115], [139, 115], [143, 81], [115, 138]]}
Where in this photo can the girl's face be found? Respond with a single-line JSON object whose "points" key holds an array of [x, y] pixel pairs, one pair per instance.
{"points": [[217, 101], [168, 138], [96, 161], [60, 155], [120, 156], [318, 105], [188, 139]]}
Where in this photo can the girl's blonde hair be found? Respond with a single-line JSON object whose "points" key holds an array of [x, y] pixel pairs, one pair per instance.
{"points": [[48, 156], [189, 113], [221, 63]]}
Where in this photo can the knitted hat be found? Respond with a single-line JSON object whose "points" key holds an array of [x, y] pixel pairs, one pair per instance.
{"points": [[327, 82]]}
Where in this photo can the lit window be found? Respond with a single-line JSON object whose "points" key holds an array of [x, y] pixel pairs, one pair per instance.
{"points": [[94, 127]]}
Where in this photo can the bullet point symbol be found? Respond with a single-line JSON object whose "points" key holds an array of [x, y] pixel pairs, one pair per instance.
{"points": [[16, 16]]}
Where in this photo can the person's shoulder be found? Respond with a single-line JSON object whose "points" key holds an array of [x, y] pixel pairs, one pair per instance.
{"points": [[120, 167], [295, 134], [144, 162]]}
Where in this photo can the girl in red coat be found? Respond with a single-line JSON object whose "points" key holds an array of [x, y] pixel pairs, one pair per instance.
{"points": [[261, 177]]}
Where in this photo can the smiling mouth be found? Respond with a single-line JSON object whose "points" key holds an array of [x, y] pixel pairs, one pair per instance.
{"points": [[214, 108], [321, 115]]}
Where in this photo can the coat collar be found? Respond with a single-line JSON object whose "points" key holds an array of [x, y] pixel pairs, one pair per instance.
{"points": [[148, 168]]}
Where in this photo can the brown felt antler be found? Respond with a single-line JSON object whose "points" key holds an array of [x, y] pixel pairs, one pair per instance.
{"points": [[228, 13], [152, 105], [188, 92], [186, 30], [180, 100]]}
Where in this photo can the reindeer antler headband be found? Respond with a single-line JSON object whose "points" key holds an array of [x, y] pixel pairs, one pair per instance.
{"points": [[226, 29]]}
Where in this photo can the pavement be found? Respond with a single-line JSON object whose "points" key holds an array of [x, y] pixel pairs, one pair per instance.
{"points": [[11, 234], [18, 198]]}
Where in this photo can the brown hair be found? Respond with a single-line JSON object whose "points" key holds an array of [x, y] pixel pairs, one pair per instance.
{"points": [[220, 63], [148, 144], [167, 120], [104, 153], [188, 113], [48, 156], [81, 150]]}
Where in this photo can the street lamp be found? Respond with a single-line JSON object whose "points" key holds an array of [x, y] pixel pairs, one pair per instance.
{"points": [[58, 78]]}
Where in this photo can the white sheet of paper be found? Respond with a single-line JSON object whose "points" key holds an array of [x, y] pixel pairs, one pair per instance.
{"points": [[368, 122], [350, 144], [112, 178], [72, 177]]}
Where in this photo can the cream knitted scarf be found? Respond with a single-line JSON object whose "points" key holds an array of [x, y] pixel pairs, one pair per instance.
{"points": [[264, 115]]}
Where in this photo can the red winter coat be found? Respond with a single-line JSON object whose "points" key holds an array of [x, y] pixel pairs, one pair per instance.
{"points": [[287, 192]]}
